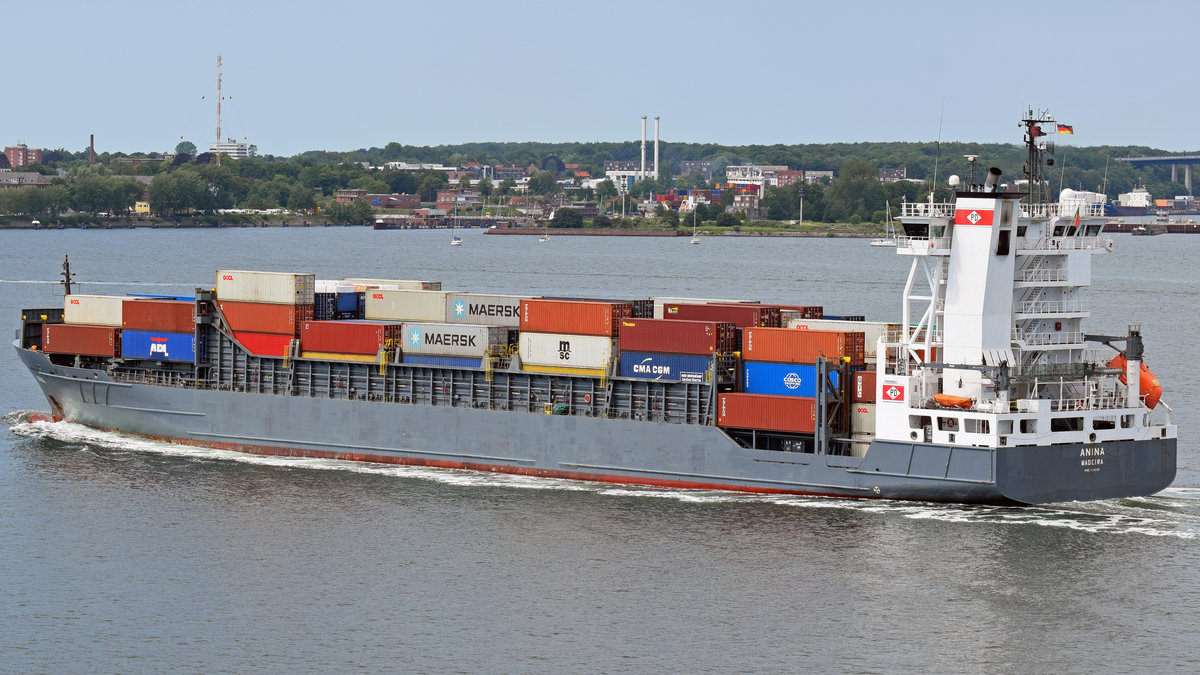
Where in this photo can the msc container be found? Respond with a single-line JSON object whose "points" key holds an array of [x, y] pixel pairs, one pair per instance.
{"points": [[862, 386], [451, 339], [781, 379], [66, 338], [264, 317], [350, 337], [445, 361], [170, 316], [160, 346], [490, 310], [94, 310], [566, 350], [405, 305], [394, 284], [573, 316], [265, 344], [666, 336], [741, 315], [784, 345], [800, 312], [280, 288], [669, 367], [330, 356], [862, 418], [767, 413], [659, 301], [871, 330]]}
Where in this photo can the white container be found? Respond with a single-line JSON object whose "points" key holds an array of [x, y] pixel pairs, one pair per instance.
{"points": [[564, 350], [406, 305], [862, 418], [277, 288], [333, 286], [451, 339], [489, 310], [659, 301], [394, 284], [96, 310], [871, 330]]}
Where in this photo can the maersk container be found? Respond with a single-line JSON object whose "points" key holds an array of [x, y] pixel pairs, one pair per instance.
{"points": [[491, 310], [280, 288], [265, 344], [451, 339], [94, 310], [871, 330], [767, 413], [394, 284], [406, 305], [741, 315], [862, 386], [666, 336], [445, 361], [265, 317], [565, 350], [781, 379], [67, 338], [659, 301], [785, 345], [350, 337], [667, 367], [574, 317], [171, 316], [160, 346]]}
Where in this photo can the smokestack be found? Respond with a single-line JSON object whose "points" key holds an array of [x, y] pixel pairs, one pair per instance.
{"points": [[92, 149], [643, 174], [656, 147], [993, 177]]}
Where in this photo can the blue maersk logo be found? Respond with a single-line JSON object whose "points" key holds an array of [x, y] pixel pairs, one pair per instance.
{"points": [[414, 337], [460, 308], [791, 381]]}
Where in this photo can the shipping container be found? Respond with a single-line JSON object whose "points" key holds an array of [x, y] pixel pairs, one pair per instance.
{"points": [[667, 336], [330, 356], [667, 367], [162, 296], [66, 338], [160, 346], [566, 370], [741, 315], [659, 301], [265, 317], [481, 309], [406, 305], [862, 386], [784, 345], [350, 337], [265, 344], [171, 316], [781, 379], [574, 317], [394, 284], [800, 312], [767, 413], [332, 286], [451, 339], [94, 310], [566, 350], [445, 361], [862, 418], [845, 317], [872, 330], [279, 288]]}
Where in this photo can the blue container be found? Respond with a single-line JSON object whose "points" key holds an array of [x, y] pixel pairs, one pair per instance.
{"points": [[667, 367], [354, 303], [446, 361], [780, 379], [325, 306], [158, 346]]}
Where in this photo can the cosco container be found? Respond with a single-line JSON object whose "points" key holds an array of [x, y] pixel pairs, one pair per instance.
{"points": [[767, 413], [451, 339], [667, 336], [265, 344], [659, 301], [280, 288], [164, 315], [263, 317], [741, 315], [667, 367], [565, 350], [862, 386], [444, 361], [862, 418], [871, 330], [405, 305], [574, 317], [781, 379], [785, 345], [394, 284], [160, 346], [350, 337], [490, 310], [94, 310], [66, 338]]}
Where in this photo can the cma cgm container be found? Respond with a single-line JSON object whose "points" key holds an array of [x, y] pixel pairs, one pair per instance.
{"points": [[66, 338], [480, 309], [280, 288], [451, 339], [573, 316], [94, 310], [405, 305], [350, 337], [170, 316], [395, 284], [767, 413], [871, 330], [263, 317], [265, 344], [446, 361], [667, 367], [862, 386], [160, 346], [781, 379], [564, 350], [665, 336], [783, 345], [742, 316]]}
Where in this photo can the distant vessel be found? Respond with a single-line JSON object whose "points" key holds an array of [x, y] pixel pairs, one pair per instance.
{"points": [[1136, 202]]}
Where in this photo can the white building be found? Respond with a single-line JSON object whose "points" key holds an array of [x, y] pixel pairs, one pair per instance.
{"points": [[234, 150]]}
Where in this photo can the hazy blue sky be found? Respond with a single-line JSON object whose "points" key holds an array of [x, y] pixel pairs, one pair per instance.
{"points": [[343, 75]]}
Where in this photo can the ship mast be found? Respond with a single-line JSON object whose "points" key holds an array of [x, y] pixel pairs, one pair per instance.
{"points": [[66, 275], [1033, 161]]}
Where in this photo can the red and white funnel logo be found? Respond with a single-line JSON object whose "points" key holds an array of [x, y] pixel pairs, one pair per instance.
{"points": [[893, 392]]}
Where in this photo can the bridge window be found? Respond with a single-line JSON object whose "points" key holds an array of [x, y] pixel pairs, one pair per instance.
{"points": [[973, 425]]}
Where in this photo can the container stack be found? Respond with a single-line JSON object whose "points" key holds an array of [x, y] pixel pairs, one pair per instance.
{"points": [[338, 301], [566, 336], [160, 330], [265, 310], [662, 349], [745, 315], [92, 327], [872, 330]]}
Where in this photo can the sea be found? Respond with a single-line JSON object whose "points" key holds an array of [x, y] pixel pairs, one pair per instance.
{"points": [[124, 555]]}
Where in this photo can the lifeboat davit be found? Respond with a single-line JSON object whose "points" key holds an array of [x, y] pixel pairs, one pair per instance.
{"points": [[1148, 383], [951, 401]]}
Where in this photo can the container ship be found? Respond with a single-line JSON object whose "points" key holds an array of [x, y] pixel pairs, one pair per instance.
{"points": [[986, 389]]}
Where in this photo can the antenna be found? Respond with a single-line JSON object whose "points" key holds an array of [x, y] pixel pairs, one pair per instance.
{"points": [[218, 98], [66, 275]]}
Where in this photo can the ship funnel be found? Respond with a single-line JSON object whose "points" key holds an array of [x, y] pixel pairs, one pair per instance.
{"points": [[993, 177]]}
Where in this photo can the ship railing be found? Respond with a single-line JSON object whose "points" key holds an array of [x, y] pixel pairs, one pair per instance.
{"points": [[1107, 401], [1049, 338], [1062, 210], [1068, 244], [924, 244], [1052, 307], [926, 209], [1043, 275]]}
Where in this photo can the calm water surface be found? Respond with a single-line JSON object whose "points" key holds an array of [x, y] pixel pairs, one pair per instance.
{"points": [[121, 555]]}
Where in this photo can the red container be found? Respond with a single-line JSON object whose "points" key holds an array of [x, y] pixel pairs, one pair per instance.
{"points": [[806, 311], [73, 338], [666, 336], [265, 344], [168, 316], [262, 317], [573, 316], [862, 386], [785, 345], [350, 337], [740, 315], [767, 413]]}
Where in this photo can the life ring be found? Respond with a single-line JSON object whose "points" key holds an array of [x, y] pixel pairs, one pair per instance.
{"points": [[1079, 405], [587, 398]]}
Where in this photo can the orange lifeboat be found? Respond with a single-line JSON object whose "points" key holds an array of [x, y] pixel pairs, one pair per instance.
{"points": [[1148, 383], [950, 401]]}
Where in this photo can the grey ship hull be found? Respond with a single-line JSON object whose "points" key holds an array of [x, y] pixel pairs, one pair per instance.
{"points": [[590, 448]]}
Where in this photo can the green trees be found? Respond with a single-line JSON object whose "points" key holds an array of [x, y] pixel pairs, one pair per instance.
{"points": [[855, 192], [185, 148], [543, 183], [566, 218]]}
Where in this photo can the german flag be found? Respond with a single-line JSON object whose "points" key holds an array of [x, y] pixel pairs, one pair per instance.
{"points": [[1065, 129]]}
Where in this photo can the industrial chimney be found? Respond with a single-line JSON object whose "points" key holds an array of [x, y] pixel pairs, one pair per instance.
{"points": [[642, 176], [656, 147]]}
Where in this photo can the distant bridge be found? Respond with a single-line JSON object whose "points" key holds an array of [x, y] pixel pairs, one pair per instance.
{"points": [[1186, 160]]}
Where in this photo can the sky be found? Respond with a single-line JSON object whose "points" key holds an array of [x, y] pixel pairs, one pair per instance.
{"points": [[304, 75]]}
